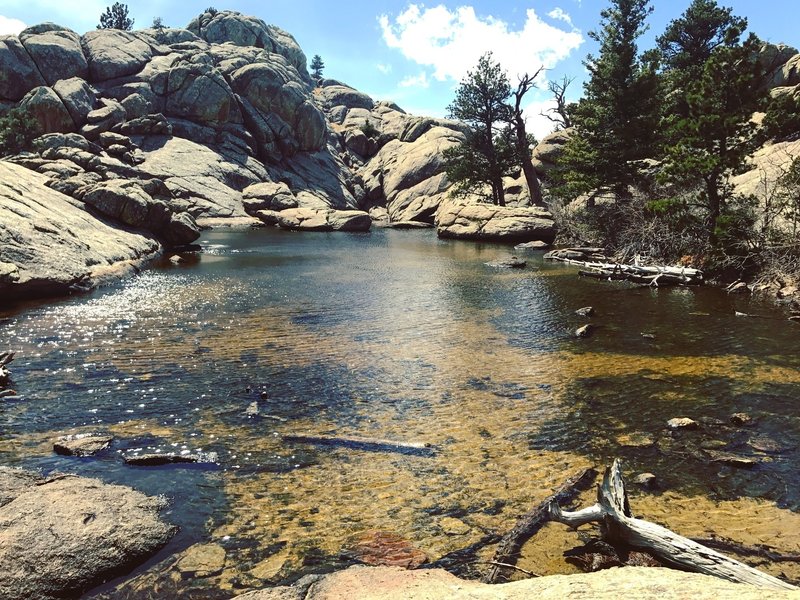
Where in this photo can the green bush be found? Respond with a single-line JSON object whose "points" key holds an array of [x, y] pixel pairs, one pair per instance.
{"points": [[369, 130], [18, 128], [782, 118]]}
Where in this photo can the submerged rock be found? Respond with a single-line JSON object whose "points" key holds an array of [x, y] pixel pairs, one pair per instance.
{"points": [[508, 263], [586, 311], [62, 535], [682, 423], [584, 331], [385, 548], [82, 444], [158, 459], [202, 560]]}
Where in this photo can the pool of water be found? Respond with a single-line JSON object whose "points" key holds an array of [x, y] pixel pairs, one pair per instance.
{"points": [[398, 335]]}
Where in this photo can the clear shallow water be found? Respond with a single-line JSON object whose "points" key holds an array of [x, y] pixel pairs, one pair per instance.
{"points": [[395, 334]]}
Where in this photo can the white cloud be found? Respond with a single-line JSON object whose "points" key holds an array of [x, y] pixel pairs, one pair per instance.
{"points": [[560, 15], [535, 122], [452, 41], [420, 80], [10, 26], [384, 68]]}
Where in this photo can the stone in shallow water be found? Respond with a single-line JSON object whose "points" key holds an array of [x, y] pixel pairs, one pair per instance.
{"points": [[453, 526], [385, 548], [584, 332], [733, 460], [508, 263], [82, 444], [636, 439], [682, 423], [646, 480], [202, 560], [586, 311], [742, 419], [157, 459]]}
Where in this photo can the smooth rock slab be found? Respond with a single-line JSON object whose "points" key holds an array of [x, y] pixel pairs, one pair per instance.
{"points": [[61, 536], [641, 583], [202, 560], [82, 444]]}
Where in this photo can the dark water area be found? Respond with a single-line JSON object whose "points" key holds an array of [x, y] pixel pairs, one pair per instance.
{"points": [[398, 335]]}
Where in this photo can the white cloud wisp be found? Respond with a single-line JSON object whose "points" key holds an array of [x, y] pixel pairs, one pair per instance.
{"points": [[450, 42], [10, 26]]}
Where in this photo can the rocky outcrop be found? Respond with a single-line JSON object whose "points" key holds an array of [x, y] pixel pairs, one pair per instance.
{"points": [[317, 219], [113, 53], [49, 243], [393, 583], [547, 152], [460, 219], [20, 74], [61, 536], [56, 51]]}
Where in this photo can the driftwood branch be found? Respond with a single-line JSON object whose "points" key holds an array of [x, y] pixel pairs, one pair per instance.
{"points": [[359, 443], [5, 358], [617, 524], [528, 524]]}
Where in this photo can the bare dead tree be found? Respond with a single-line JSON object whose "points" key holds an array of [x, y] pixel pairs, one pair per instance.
{"points": [[559, 113]]}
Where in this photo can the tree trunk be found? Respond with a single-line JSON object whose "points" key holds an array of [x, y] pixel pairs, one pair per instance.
{"points": [[524, 153], [714, 209], [617, 525]]}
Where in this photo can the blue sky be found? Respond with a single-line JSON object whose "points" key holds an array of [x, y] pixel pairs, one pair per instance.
{"points": [[415, 53]]}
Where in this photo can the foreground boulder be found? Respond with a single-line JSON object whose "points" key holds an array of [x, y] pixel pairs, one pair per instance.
{"points": [[63, 535], [487, 222], [392, 583], [49, 244]]}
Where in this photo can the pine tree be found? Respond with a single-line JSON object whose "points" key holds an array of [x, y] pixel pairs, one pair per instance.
{"points": [[316, 66], [616, 120], [713, 139], [489, 152], [116, 17]]}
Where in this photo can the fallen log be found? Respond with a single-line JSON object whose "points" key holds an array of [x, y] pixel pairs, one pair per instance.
{"points": [[359, 443], [528, 524], [5, 358], [613, 513]]}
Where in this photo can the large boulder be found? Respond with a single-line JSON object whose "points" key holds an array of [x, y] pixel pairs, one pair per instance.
{"points": [[78, 97], [232, 27], [409, 176], [343, 95], [200, 93], [395, 583], [128, 203], [61, 536], [56, 51], [19, 74], [270, 195], [279, 109], [460, 219], [315, 219], [49, 244], [204, 181], [48, 109], [113, 53], [547, 152]]}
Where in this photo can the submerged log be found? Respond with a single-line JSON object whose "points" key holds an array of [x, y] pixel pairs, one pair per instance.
{"points": [[613, 513], [528, 524], [359, 443]]}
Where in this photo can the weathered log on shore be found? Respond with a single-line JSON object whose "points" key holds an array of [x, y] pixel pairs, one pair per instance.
{"points": [[5, 358], [597, 265], [359, 443], [613, 513], [507, 551]]}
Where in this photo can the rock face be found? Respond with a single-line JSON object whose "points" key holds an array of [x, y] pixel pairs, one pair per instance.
{"points": [[60, 536], [463, 220], [151, 130], [49, 243], [391, 583]]}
